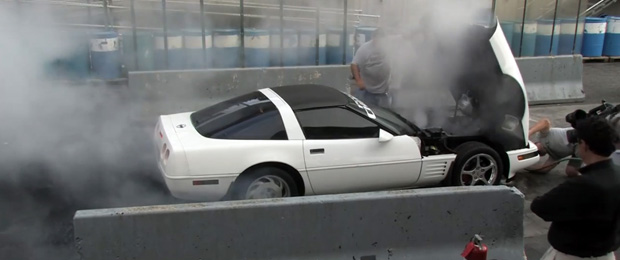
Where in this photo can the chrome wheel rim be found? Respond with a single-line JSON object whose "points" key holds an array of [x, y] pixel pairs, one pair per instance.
{"points": [[479, 169], [267, 187]]}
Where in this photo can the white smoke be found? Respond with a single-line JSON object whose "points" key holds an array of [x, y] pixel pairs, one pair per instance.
{"points": [[426, 50], [63, 146]]}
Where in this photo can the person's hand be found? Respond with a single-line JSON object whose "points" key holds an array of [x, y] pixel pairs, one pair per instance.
{"points": [[361, 85]]}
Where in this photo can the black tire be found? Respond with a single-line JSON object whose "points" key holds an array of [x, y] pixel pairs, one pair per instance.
{"points": [[241, 186], [468, 155]]}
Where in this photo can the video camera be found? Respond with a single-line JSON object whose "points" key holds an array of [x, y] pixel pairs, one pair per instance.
{"points": [[604, 110]]}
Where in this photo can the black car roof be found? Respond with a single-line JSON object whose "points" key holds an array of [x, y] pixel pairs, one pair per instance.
{"points": [[301, 97]]}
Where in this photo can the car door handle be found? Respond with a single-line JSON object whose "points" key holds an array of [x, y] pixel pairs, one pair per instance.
{"points": [[317, 151]]}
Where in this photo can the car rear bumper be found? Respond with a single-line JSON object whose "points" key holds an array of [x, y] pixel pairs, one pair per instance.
{"points": [[199, 188], [523, 158]]}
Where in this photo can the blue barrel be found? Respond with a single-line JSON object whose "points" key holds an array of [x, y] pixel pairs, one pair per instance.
{"points": [[335, 42], [594, 37], [612, 37], [508, 28], [176, 57], [144, 51], [289, 49], [307, 47], [567, 36], [257, 48], [363, 34], [192, 43], [105, 55], [227, 48], [528, 41], [547, 38]]}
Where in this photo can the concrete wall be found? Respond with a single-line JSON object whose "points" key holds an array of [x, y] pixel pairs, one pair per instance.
{"points": [[548, 80], [414, 224], [165, 92], [553, 79]]}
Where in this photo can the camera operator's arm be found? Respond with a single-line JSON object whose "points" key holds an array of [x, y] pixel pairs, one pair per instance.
{"points": [[541, 126], [566, 202]]}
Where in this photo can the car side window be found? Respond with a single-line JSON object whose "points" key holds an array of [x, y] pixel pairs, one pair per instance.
{"points": [[335, 123], [251, 117], [267, 125]]}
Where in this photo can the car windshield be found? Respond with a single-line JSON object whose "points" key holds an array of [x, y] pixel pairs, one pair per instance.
{"points": [[386, 118]]}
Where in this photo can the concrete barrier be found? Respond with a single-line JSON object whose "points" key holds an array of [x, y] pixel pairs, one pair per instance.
{"points": [[551, 80], [413, 224], [547, 79]]}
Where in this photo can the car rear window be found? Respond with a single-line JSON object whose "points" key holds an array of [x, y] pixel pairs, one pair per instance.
{"points": [[248, 117]]}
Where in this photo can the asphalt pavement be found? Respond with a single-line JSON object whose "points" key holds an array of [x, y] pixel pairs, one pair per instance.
{"points": [[601, 81]]}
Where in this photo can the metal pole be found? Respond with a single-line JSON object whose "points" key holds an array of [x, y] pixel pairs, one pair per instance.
{"points": [[282, 33], [555, 17], [522, 28], [88, 11], [318, 36], [345, 34], [577, 26], [133, 31], [163, 11], [493, 11], [242, 21], [106, 13], [202, 27]]}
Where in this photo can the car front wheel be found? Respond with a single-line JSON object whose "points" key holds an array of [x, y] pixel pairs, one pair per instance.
{"points": [[476, 164], [264, 183]]}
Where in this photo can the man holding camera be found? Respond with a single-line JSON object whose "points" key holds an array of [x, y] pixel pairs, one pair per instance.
{"points": [[585, 211]]}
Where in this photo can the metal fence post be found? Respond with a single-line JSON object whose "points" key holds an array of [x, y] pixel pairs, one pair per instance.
{"points": [[202, 27], [346, 36], [555, 17], [163, 11], [281, 33], [577, 26], [133, 31], [522, 28], [493, 11], [317, 54], [106, 12], [241, 25]]}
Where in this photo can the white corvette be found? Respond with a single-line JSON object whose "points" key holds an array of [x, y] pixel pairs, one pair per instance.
{"points": [[311, 139]]}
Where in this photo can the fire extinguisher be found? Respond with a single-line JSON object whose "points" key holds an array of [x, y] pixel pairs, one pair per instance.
{"points": [[475, 250]]}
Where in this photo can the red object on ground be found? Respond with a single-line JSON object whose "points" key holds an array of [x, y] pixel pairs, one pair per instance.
{"points": [[475, 250]]}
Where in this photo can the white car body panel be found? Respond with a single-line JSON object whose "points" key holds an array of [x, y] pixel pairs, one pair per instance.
{"points": [[435, 169], [293, 129], [516, 164], [509, 67], [362, 164], [206, 159]]}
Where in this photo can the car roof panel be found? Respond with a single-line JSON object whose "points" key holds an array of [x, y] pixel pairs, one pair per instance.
{"points": [[301, 97]]}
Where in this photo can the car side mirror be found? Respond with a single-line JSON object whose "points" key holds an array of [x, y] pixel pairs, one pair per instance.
{"points": [[384, 136]]}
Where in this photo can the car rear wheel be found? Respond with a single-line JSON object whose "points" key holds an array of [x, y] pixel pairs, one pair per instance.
{"points": [[476, 164], [264, 183]]}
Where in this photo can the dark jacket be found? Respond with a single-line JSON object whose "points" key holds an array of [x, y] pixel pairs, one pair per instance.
{"points": [[584, 211]]}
